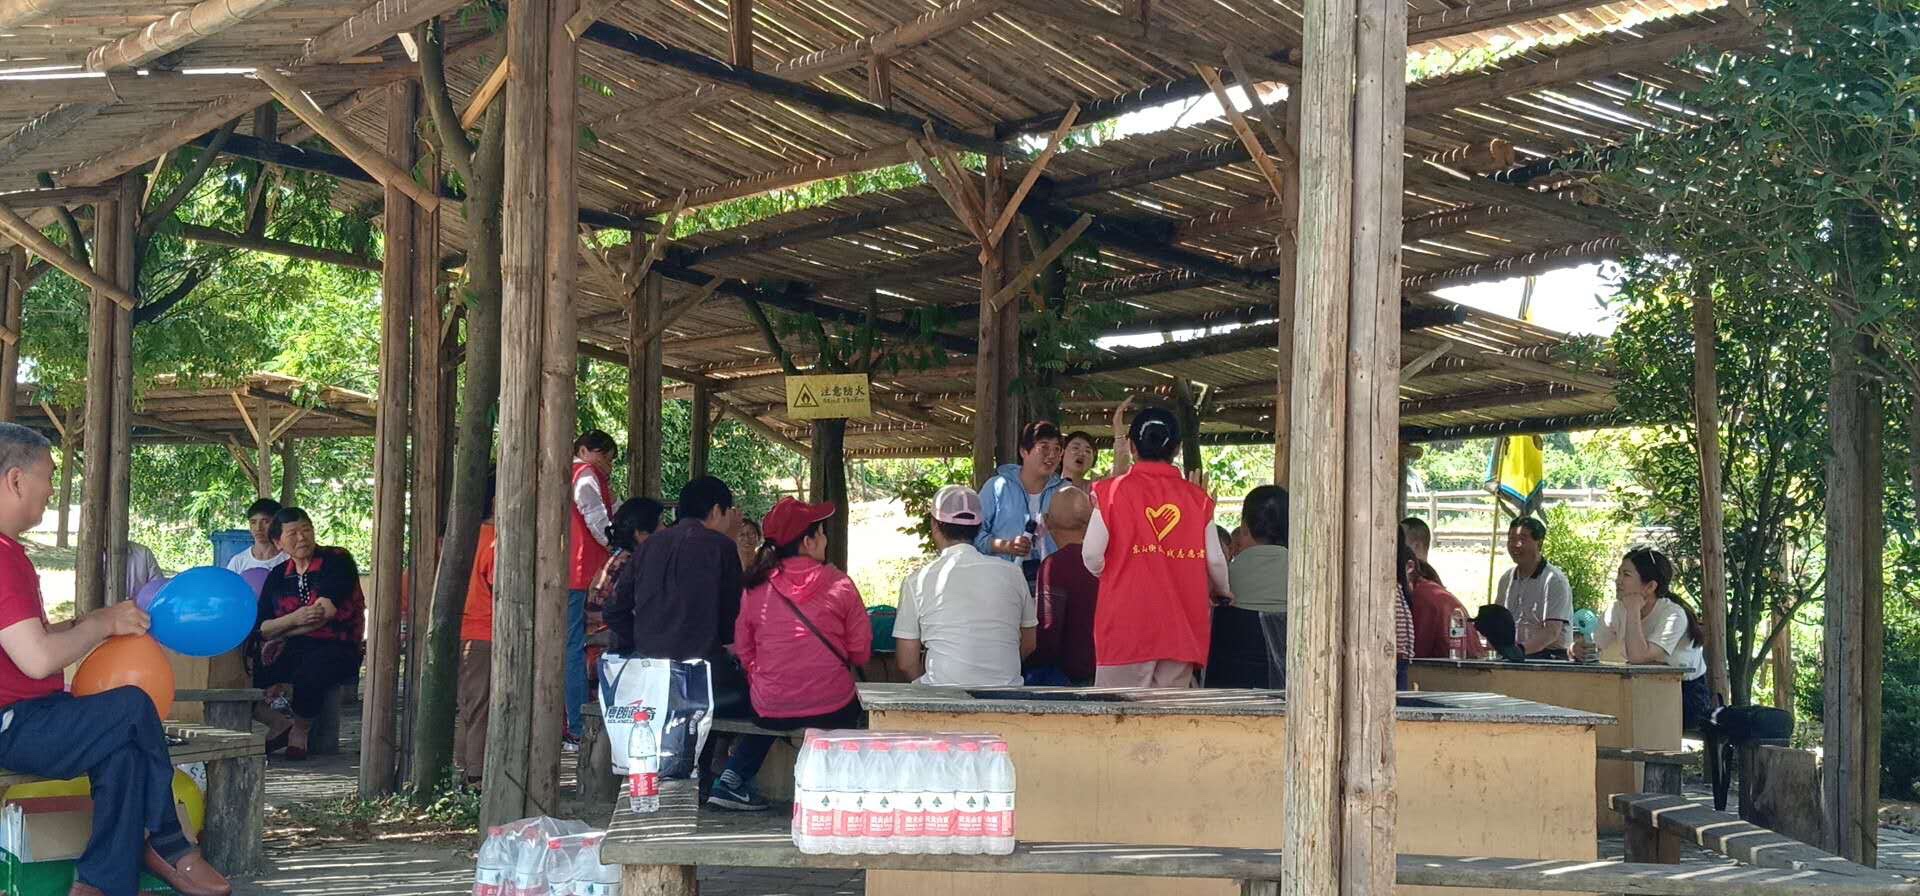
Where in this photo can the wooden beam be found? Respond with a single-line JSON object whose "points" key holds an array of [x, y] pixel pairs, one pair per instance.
{"points": [[14, 12], [376, 163], [484, 95], [1713, 537], [373, 25], [1416, 366], [324, 410], [784, 178], [59, 197], [46, 129], [1489, 14], [1024, 277], [218, 237], [1520, 266], [698, 65], [942, 184], [1243, 130], [1077, 19], [740, 33], [880, 81], [13, 290], [667, 317], [642, 360], [138, 88], [1034, 169], [30, 237], [367, 96], [657, 246], [202, 20], [893, 41]]}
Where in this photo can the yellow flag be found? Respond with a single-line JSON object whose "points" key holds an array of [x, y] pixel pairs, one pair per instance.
{"points": [[1519, 480]]}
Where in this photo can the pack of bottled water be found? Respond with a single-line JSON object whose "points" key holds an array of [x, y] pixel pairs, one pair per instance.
{"points": [[876, 792], [544, 857]]}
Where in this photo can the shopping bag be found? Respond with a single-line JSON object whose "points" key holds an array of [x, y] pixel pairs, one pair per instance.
{"points": [[672, 697]]}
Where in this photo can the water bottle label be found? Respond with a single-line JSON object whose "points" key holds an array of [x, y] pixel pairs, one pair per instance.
{"points": [[880, 821], [819, 815], [643, 784], [939, 814], [849, 817], [999, 815], [972, 809], [911, 818], [488, 877]]}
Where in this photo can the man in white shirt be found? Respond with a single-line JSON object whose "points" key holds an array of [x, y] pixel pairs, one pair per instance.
{"points": [[973, 613], [264, 554], [1536, 593]]}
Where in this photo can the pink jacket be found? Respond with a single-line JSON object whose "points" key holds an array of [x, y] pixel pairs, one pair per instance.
{"points": [[789, 672]]}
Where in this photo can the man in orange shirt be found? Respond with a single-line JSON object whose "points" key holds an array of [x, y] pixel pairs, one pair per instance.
{"points": [[476, 653]]}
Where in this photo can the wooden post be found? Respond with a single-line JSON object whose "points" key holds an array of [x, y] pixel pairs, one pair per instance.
{"points": [[1782, 659], [89, 569], [69, 447], [119, 485], [13, 289], [995, 414], [263, 450], [699, 436], [1340, 799], [430, 420], [1284, 305], [1713, 536], [536, 416], [740, 32], [379, 740], [289, 472], [643, 384], [1850, 785]]}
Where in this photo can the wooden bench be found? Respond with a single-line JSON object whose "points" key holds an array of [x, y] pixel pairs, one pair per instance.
{"points": [[1658, 825], [235, 755], [593, 762], [660, 853], [1662, 771]]}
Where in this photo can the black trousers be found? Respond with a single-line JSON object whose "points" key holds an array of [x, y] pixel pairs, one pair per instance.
{"points": [[311, 665], [115, 739]]}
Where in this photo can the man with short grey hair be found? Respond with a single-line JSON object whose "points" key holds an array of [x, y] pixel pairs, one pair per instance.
{"points": [[114, 737]]}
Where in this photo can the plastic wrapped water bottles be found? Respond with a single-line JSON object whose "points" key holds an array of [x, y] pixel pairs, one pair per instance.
{"points": [[490, 867], [871, 793], [544, 857]]}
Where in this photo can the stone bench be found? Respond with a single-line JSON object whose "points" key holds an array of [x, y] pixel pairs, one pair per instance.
{"points": [[235, 755], [660, 853], [1659, 824]]}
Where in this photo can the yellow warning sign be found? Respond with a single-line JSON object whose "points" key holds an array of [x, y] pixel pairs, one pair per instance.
{"points": [[827, 396]]}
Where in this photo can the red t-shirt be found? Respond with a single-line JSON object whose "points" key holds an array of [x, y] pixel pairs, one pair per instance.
{"points": [[1433, 607], [20, 601], [1155, 600], [477, 622]]}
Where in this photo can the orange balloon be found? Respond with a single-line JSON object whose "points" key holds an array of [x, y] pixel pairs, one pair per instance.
{"points": [[136, 660]]}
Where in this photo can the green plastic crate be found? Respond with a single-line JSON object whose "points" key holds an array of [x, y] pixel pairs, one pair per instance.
{"points": [[19, 878]]}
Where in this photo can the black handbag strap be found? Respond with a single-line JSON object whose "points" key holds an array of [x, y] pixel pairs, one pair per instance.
{"points": [[838, 654]]}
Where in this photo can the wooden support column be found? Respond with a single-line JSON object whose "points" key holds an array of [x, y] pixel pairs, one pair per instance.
{"points": [[431, 424], [700, 434], [1340, 800], [1850, 772], [69, 451], [119, 485], [90, 555], [740, 32], [289, 472], [1713, 536], [1287, 277], [536, 416], [379, 739], [643, 383], [263, 452], [13, 290], [995, 412]]}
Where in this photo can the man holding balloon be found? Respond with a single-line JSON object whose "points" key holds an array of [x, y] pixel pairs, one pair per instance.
{"points": [[113, 736]]}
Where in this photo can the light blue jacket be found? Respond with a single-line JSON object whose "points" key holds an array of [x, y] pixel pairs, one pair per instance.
{"points": [[1004, 501]]}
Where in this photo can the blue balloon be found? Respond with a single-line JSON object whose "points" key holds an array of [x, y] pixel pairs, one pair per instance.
{"points": [[204, 611]]}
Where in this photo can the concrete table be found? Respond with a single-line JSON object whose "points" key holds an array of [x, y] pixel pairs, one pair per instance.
{"points": [[1643, 700], [1207, 768]]}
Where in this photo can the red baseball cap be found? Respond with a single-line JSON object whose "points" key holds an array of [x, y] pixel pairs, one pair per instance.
{"points": [[789, 519]]}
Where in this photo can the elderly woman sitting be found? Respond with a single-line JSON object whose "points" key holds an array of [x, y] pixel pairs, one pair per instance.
{"points": [[312, 616]]}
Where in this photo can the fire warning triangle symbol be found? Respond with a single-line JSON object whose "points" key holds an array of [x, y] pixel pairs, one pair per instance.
{"points": [[806, 398]]}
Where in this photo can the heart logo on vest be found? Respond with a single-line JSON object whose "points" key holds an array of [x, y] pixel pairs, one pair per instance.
{"points": [[1162, 519]]}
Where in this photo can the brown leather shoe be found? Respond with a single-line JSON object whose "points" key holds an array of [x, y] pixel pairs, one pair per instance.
{"points": [[80, 889], [191, 876]]}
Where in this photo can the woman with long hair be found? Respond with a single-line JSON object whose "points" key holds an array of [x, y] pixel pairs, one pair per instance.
{"points": [[1649, 625], [801, 633]]}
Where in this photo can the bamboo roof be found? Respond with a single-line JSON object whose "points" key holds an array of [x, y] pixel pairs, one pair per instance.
{"points": [[234, 413], [1187, 225]]}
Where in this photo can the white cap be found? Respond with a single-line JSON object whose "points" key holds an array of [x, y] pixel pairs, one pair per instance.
{"points": [[957, 504]]}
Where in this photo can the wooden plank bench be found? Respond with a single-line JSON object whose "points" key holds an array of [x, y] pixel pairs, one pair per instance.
{"points": [[1662, 771], [660, 853], [1659, 824], [235, 754], [593, 762]]}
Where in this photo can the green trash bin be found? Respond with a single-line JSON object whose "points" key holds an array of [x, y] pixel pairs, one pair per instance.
{"points": [[882, 620]]}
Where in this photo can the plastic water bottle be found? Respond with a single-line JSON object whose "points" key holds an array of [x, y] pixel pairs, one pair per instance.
{"points": [[599, 880], [939, 813], [909, 812], [643, 765], [529, 876], [879, 798], [560, 870], [970, 795], [998, 828], [813, 798], [490, 868], [849, 813], [1457, 647]]}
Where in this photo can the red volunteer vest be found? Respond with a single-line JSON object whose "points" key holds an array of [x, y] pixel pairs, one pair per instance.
{"points": [[587, 554], [1154, 600]]}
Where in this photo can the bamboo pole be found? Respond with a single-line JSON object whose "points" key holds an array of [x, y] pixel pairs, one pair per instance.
{"points": [[1340, 795], [506, 790], [643, 388], [14, 12], [558, 390], [21, 231], [379, 738], [183, 28], [13, 272], [382, 167], [1713, 536]]}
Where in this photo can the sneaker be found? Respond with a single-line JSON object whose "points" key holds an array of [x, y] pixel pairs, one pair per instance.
{"points": [[569, 746], [727, 794]]}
